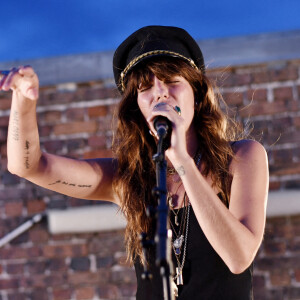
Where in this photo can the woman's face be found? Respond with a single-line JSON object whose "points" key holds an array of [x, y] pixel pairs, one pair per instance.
{"points": [[160, 96]]}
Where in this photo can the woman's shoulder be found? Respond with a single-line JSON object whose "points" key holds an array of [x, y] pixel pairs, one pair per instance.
{"points": [[248, 151], [246, 146]]}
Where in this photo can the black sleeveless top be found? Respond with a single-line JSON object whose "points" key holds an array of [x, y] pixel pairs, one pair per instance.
{"points": [[205, 275]]}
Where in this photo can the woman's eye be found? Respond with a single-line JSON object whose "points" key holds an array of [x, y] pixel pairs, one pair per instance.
{"points": [[143, 89]]}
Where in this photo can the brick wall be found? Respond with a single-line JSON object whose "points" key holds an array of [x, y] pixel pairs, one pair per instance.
{"points": [[75, 120]]}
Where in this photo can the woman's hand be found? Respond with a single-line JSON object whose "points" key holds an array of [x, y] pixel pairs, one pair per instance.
{"points": [[23, 81], [178, 143]]}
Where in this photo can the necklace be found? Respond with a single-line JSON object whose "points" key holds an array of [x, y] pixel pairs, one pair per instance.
{"points": [[180, 238], [179, 276], [171, 195]]}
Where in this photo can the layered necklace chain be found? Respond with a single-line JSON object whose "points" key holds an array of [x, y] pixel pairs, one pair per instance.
{"points": [[180, 235]]}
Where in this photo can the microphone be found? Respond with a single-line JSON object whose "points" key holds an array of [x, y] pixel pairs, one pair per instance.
{"points": [[162, 126]]}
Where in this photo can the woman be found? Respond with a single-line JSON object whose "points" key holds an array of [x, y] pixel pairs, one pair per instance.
{"points": [[217, 185]]}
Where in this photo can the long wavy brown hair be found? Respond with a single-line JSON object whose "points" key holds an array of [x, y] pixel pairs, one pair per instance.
{"points": [[134, 146]]}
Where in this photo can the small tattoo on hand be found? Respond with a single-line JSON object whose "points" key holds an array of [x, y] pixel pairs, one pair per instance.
{"points": [[180, 170]]}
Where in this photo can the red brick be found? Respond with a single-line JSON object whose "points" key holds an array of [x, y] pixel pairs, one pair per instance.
{"points": [[42, 281], [35, 206], [50, 117], [259, 281], [109, 291], [62, 294], [261, 76], [105, 153], [5, 104], [288, 137], [97, 141], [45, 130], [13, 209], [57, 279], [75, 114], [102, 93], [62, 237], [57, 265], [66, 250], [15, 269], [233, 98], [97, 111], [263, 108], [3, 134], [85, 293], [243, 79], [4, 121], [38, 235], [35, 294], [222, 78], [36, 267], [3, 154], [280, 278], [296, 121], [282, 156], [284, 74], [76, 127], [285, 169], [283, 93], [123, 275], [275, 248], [53, 146], [17, 252], [297, 275], [81, 278], [106, 124], [6, 284], [257, 95]]}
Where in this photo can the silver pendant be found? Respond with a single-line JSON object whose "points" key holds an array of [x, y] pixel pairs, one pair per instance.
{"points": [[179, 276], [177, 244], [176, 221]]}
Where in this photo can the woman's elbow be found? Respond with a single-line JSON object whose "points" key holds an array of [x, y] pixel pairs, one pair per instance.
{"points": [[242, 263], [239, 268], [21, 172]]}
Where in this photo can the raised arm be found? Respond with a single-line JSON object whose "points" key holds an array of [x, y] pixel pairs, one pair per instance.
{"points": [[235, 233], [86, 179]]}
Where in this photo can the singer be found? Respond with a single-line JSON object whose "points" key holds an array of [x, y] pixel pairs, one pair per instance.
{"points": [[217, 178]]}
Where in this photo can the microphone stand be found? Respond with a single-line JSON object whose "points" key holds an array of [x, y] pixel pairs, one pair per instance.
{"points": [[163, 234]]}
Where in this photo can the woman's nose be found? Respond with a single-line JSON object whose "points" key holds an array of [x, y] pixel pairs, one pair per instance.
{"points": [[161, 90]]}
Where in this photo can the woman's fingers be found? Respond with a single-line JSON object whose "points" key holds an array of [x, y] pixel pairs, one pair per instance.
{"points": [[10, 79], [22, 79], [26, 71]]}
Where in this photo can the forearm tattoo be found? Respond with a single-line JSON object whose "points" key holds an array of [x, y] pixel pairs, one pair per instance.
{"points": [[15, 126], [180, 170], [27, 144], [63, 182]]}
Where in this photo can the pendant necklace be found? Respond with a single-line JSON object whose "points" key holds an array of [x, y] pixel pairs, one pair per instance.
{"points": [[181, 239]]}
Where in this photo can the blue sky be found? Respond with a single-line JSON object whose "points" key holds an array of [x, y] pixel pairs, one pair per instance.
{"points": [[44, 28]]}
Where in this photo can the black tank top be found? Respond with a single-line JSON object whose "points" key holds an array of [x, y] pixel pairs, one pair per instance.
{"points": [[205, 275]]}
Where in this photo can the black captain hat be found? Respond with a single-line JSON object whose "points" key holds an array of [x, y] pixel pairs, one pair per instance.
{"points": [[153, 41]]}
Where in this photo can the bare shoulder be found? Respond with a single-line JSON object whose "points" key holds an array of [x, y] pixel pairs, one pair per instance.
{"points": [[248, 152]]}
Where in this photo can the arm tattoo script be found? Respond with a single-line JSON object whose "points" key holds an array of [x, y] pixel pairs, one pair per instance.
{"points": [[180, 170], [15, 125], [63, 182], [27, 144]]}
